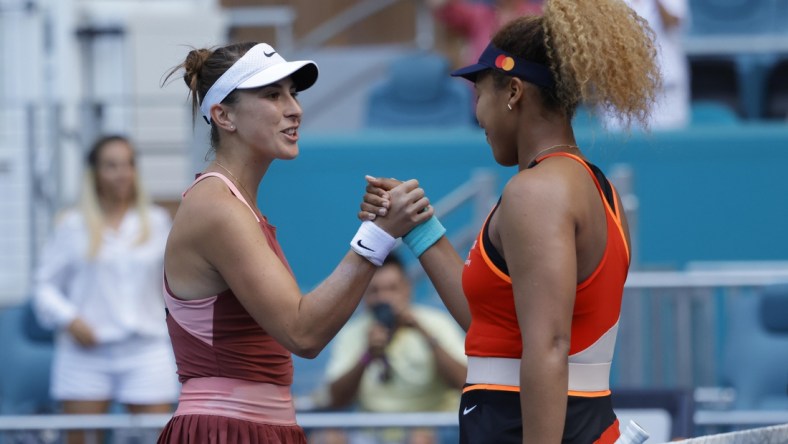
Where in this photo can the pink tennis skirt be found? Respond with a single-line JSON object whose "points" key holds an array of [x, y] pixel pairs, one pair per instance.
{"points": [[212, 429], [218, 410]]}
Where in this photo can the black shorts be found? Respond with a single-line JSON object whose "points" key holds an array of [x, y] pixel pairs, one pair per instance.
{"points": [[493, 416]]}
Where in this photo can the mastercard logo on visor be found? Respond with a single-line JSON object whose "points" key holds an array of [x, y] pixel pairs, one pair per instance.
{"points": [[504, 62]]}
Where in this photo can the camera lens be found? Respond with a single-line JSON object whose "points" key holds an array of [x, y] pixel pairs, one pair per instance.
{"points": [[384, 314]]}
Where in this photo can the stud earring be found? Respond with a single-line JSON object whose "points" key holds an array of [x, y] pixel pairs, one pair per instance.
{"points": [[509, 105]]}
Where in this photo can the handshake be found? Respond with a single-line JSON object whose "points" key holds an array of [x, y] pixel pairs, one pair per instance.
{"points": [[404, 211]]}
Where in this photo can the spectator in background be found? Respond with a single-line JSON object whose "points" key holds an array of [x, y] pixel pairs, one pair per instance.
{"points": [[396, 356], [477, 21], [99, 286], [668, 19]]}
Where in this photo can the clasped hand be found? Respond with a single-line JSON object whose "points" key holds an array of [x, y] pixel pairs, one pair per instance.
{"points": [[378, 198], [403, 202]]}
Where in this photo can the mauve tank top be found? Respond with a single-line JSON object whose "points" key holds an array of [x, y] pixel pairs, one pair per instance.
{"points": [[217, 337]]}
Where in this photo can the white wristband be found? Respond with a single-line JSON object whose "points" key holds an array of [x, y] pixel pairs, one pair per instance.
{"points": [[372, 243]]}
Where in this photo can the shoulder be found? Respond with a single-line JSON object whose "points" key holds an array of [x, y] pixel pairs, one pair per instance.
{"points": [[211, 205], [543, 199], [216, 227], [69, 219], [551, 184], [532, 188], [69, 229]]}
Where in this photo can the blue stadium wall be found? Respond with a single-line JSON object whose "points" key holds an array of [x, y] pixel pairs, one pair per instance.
{"points": [[706, 193]]}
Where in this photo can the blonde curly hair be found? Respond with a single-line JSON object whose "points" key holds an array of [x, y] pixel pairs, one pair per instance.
{"points": [[601, 52]]}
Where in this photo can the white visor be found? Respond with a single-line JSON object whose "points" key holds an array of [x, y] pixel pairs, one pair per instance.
{"points": [[260, 66]]}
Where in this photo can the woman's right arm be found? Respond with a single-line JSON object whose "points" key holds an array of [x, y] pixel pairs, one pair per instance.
{"points": [[232, 243], [440, 261], [444, 268]]}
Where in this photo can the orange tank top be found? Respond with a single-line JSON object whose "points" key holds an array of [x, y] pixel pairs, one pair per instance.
{"points": [[494, 331]]}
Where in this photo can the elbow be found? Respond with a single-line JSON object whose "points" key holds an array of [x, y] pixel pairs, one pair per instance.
{"points": [[307, 353], [307, 347], [546, 349], [561, 345], [558, 351]]}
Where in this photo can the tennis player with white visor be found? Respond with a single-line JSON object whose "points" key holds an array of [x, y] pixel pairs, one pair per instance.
{"points": [[235, 310]]}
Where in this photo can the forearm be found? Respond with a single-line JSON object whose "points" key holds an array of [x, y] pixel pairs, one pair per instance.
{"points": [[56, 272], [343, 391], [452, 371], [444, 267], [324, 310], [53, 310], [543, 396]]}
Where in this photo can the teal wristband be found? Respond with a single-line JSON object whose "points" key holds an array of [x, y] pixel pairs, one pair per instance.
{"points": [[424, 236]]}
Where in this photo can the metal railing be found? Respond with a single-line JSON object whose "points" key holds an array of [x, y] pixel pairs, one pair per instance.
{"points": [[135, 428], [132, 427], [666, 315], [673, 324], [117, 421]]}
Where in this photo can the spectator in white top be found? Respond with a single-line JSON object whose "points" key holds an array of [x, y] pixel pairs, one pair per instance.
{"points": [[669, 19], [98, 286]]}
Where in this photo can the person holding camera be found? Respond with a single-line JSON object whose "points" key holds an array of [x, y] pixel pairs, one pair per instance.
{"points": [[396, 356]]}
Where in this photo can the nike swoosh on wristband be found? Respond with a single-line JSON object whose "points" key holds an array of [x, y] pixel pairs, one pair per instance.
{"points": [[358, 242], [269, 54], [467, 410]]}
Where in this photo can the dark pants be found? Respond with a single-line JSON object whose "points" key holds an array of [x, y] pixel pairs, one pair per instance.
{"points": [[493, 416]]}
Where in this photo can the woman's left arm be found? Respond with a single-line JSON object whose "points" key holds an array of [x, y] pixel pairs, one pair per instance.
{"points": [[537, 235], [61, 258]]}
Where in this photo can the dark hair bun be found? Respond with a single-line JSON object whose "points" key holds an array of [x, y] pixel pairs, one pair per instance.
{"points": [[193, 66]]}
